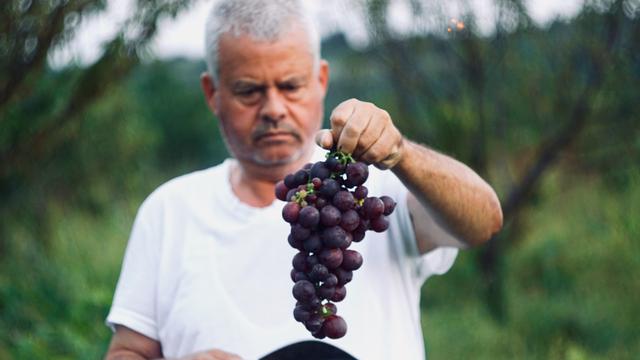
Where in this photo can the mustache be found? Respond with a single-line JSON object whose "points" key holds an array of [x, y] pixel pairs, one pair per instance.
{"points": [[266, 128]]}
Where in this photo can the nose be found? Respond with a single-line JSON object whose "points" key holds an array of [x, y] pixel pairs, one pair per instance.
{"points": [[273, 107]]}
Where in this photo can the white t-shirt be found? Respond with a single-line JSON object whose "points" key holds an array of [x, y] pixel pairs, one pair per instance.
{"points": [[203, 270]]}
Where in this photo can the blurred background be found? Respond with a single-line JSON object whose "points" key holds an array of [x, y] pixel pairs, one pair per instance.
{"points": [[100, 103]]}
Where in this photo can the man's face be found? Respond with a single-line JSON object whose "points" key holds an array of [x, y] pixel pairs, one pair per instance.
{"points": [[268, 99]]}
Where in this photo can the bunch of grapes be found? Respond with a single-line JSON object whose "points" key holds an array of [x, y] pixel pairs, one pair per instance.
{"points": [[328, 209]]}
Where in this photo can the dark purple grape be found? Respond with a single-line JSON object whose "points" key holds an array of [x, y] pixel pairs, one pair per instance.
{"points": [[299, 262], [320, 203], [330, 216], [301, 177], [332, 163], [334, 237], [300, 232], [334, 327], [372, 207], [331, 280], [343, 200], [339, 294], [351, 260], [312, 260], [329, 188], [358, 235], [291, 194], [319, 334], [331, 258], [344, 276], [379, 224], [281, 191], [389, 204], [318, 273], [290, 181], [330, 308], [314, 323], [307, 166], [361, 192], [320, 171], [349, 220], [290, 212], [357, 174], [303, 291], [313, 243], [299, 275], [311, 198], [309, 216], [296, 244], [301, 314], [325, 292]]}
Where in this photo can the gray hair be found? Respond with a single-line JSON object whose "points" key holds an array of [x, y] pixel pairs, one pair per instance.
{"points": [[262, 20]]}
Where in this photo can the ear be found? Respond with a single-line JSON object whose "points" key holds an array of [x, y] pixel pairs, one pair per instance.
{"points": [[323, 75], [209, 90]]}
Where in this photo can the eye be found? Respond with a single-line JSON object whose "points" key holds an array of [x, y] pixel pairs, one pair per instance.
{"points": [[248, 94]]}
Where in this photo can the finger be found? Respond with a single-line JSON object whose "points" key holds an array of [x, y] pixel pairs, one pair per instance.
{"points": [[324, 139], [355, 126], [340, 115], [386, 152], [369, 136]]}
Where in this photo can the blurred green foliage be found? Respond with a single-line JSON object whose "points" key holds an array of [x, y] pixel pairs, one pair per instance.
{"points": [[560, 100]]}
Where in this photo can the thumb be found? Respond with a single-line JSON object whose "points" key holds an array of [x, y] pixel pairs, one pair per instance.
{"points": [[324, 139]]}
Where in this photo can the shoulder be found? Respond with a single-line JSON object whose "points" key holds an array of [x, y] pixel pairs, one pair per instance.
{"points": [[185, 189]]}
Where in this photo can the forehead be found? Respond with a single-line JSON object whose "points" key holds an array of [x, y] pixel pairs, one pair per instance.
{"points": [[244, 57]]}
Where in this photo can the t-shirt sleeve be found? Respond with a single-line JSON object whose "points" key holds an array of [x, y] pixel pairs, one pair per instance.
{"points": [[421, 266], [134, 304]]}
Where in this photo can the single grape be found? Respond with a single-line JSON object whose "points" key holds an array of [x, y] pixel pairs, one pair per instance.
{"points": [[351, 260], [334, 327], [320, 171], [339, 294], [318, 273], [331, 258], [291, 194], [330, 308], [299, 275], [349, 220], [329, 188], [361, 192], [301, 314], [330, 216], [309, 216], [299, 262], [379, 224], [312, 243], [358, 235], [325, 292], [300, 232], [320, 203], [332, 163], [357, 174], [334, 237], [389, 204], [344, 276], [372, 207], [314, 323], [296, 244], [331, 280], [281, 191], [303, 290], [290, 181], [290, 212], [316, 182], [301, 177], [319, 334], [343, 200]]}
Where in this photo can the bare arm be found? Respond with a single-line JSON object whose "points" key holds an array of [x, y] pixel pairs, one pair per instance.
{"points": [[128, 344], [450, 205]]}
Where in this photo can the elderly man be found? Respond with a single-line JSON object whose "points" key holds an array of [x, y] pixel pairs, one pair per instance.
{"points": [[206, 270]]}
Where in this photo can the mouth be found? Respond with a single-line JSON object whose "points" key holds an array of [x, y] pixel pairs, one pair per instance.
{"points": [[276, 136]]}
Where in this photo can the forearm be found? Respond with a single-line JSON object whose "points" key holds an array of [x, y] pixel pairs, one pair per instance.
{"points": [[465, 204]]}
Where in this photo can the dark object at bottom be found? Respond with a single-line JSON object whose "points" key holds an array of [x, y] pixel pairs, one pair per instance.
{"points": [[309, 350]]}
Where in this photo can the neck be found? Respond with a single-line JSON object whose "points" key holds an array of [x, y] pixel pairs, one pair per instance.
{"points": [[254, 184]]}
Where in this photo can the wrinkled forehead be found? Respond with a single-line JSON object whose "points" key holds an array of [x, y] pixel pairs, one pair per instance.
{"points": [[244, 55]]}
